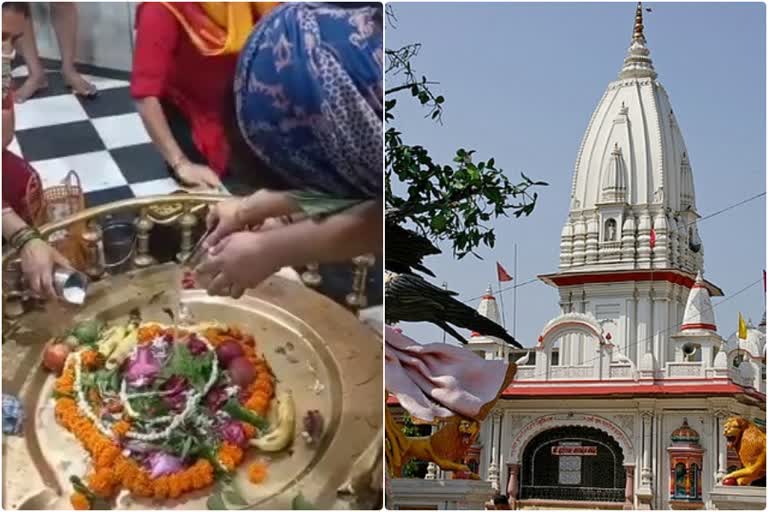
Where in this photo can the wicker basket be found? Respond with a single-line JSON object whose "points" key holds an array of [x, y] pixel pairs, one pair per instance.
{"points": [[55, 203]]}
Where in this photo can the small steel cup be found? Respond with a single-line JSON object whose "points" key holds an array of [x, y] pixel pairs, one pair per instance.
{"points": [[70, 285]]}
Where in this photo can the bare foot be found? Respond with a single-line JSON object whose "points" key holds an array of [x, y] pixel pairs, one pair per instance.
{"points": [[80, 86], [30, 87]]}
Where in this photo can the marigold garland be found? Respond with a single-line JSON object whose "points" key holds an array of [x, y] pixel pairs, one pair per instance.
{"points": [[112, 470], [121, 428], [91, 359], [230, 455], [79, 501]]}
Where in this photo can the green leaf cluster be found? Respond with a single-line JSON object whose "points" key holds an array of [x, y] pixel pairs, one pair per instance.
{"points": [[196, 369]]}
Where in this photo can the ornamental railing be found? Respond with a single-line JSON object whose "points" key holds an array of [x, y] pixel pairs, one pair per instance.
{"points": [[184, 213], [554, 492]]}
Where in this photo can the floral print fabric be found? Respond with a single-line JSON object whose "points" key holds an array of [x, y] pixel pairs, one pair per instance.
{"points": [[308, 93]]}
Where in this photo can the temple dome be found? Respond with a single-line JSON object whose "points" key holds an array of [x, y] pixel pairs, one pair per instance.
{"points": [[633, 164], [754, 345], [635, 115], [685, 434]]}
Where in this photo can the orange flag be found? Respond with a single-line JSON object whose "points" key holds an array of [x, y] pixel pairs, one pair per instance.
{"points": [[502, 274]]}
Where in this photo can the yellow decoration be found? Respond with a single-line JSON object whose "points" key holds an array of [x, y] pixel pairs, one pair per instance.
{"points": [[742, 328]]}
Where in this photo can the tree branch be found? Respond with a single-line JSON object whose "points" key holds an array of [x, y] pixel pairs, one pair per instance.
{"points": [[408, 86]]}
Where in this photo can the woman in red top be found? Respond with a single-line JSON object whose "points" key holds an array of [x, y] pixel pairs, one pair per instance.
{"points": [[37, 257], [183, 68]]}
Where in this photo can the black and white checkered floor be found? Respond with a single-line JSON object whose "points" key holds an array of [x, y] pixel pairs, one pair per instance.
{"points": [[102, 139]]}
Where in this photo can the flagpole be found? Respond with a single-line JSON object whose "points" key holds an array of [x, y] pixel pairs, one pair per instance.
{"points": [[445, 287], [514, 296]]}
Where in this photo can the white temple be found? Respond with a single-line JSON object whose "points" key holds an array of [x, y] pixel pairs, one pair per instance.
{"points": [[621, 402]]}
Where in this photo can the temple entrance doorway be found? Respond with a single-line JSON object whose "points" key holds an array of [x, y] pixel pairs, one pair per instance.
{"points": [[573, 463]]}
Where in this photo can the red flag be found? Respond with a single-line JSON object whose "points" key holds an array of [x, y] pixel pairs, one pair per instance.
{"points": [[502, 274], [653, 238]]}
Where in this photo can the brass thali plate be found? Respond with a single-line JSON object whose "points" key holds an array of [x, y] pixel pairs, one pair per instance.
{"points": [[319, 351]]}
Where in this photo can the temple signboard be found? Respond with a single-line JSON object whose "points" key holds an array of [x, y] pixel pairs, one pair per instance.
{"points": [[578, 451]]}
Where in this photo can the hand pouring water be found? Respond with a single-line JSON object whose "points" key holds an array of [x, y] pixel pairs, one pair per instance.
{"points": [[70, 285]]}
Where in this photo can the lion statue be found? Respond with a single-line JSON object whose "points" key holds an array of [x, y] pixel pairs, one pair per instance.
{"points": [[748, 441], [446, 447]]}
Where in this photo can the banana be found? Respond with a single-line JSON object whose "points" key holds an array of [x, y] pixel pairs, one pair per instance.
{"points": [[111, 338], [282, 435], [123, 348]]}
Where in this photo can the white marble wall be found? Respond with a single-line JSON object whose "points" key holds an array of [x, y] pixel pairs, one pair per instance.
{"points": [[105, 33]]}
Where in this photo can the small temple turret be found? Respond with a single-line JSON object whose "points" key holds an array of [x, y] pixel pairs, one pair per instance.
{"points": [[699, 314], [489, 347]]}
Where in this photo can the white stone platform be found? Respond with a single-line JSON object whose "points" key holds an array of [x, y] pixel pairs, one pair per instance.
{"points": [[415, 493], [724, 497]]}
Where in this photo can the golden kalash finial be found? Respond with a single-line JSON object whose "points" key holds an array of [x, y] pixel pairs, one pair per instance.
{"points": [[638, 34]]}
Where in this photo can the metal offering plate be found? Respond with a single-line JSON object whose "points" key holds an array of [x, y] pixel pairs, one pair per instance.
{"points": [[319, 351]]}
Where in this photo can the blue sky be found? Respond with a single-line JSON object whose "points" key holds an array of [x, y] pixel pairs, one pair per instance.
{"points": [[521, 81]]}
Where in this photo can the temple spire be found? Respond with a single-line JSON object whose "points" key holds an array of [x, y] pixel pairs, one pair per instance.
{"points": [[638, 63], [638, 35]]}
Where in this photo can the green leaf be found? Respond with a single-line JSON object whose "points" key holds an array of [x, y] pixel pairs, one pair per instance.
{"points": [[438, 223], [216, 502], [238, 412], [300, 503], [316, 204], [233, 497], [196, 369]]}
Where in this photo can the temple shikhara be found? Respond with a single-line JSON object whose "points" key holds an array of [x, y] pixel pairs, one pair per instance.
{"points": [[621, 401]]}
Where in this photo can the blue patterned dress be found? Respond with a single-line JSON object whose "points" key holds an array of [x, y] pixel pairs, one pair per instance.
{"points": [[308, 97]]}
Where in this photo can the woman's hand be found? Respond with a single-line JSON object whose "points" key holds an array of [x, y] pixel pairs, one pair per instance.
{"points": [[196, 175], [238, 262], [37, 262], [225, 216], [253, 211]]}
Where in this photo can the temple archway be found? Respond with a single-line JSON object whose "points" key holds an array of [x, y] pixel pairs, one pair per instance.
{"points": [[573, 463]]}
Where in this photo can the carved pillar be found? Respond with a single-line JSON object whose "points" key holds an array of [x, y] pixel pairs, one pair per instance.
{"points": [[144, 226], [628, 240], [493, 473], [646, 475], [660, 314], [660, 252], [357, 299], [579, 242], [643, 241], [590, 251], [513, 483], [722, 447], [507, 424], [644, 337], [187, 222], [566, 245], [92, 236], [629, 488]]}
